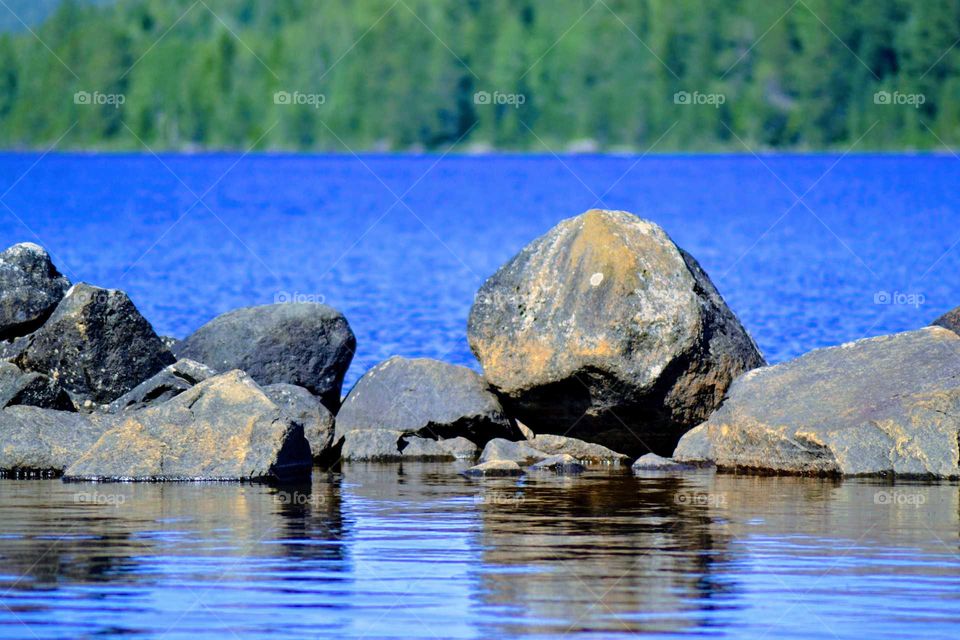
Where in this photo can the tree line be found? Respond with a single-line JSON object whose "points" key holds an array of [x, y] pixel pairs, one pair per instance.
{"points": [[534, 75]]}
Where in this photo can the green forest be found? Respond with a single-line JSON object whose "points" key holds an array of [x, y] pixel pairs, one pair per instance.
{"points": [[530, 75]]}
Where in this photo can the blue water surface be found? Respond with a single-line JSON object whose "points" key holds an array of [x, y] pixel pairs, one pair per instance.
{"points": [[809, 251]]}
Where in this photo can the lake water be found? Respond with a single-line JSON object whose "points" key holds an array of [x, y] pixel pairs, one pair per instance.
{"points": [[400, 244]]}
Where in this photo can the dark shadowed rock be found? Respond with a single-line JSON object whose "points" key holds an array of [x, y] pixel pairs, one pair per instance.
{"points": [[33, 389], [96, 345], [306, 409], [30, 288], [309, 345], [224, 428], [428, 398], [172, 380], [605, 330], [949, 320], [11, 349], [44, 440], [879, 406], [384, 445], [494, 469], [653, 462]]}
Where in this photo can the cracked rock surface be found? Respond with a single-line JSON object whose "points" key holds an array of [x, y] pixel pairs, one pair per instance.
{"points": [[888, 405]]}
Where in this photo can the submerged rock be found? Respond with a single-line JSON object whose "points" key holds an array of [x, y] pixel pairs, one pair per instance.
{"points": [[878, 406], [33, 389], [653, 462], [309, 345], [96, 345], [306, 409], [562, 463], [383, 445], [30, 288], [580, 450], [172, 380], [605, 330], [494, 468], [224, 428], [428, 398], [35, 440]]}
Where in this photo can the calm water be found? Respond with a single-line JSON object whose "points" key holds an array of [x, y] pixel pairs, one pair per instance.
{"points": [[401, 244]]}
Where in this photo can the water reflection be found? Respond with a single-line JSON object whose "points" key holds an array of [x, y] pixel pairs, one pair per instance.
{"points": [[414, 550]]}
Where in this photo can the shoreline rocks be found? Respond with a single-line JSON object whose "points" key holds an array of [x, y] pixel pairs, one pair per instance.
{"points": [[305, 344], [888, 405], [30, 288], [604, 329], [425, 398]]}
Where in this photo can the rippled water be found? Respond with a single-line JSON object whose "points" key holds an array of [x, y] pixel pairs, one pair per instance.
{"points": [[401, 244], [415, 551]]}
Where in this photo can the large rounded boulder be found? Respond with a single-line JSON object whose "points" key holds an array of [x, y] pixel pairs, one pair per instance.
{"points": [[30, 288], [426, 398], [304, 344], [96, 345], [603, 329]]}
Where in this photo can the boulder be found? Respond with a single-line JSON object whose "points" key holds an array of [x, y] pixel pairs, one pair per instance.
{"points": [[428, 398], [306, 409], [583, 451], [879, 406], [383, 445], [33, 389], [35, 440], [604, 329], [172, 380], [224, 428], [519, 452], [309, 345], [653, 462], [949, 320], [30, 288], [562, 463], [494, 469], [96, 345]]}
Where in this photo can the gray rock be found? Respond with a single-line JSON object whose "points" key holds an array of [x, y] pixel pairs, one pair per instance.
{"points": [[605, 330], [30, 288], [526, 431], [10, 349], [383, 445], [427, 398], [494, 468], [96, 345], [587, 452], [653, 462], [309, 345], [172, 380], [306, 409], [562, 463], [879, 406], [224, 428], [35, 440], [33, 389], [519, 452]]}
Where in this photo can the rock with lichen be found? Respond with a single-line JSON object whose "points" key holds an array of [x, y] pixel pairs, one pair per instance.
{"points": [[604, 330]]}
